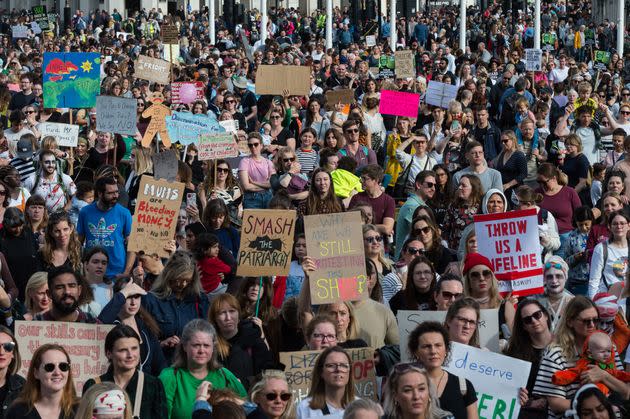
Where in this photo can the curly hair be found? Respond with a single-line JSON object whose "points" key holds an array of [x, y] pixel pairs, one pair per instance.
{"points": [[74, 245]]}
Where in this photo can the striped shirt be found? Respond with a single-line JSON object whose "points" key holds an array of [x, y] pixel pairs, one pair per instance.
{"points": [[308, 159], [24, 167]]}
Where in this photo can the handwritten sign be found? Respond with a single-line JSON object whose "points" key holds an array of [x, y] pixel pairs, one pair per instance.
{"points": [[266, 242], [370, 40], [19, 31], [85, 343], [66, 135], [165, 165], [335, 242], [169, 33], [274, 79], [533, 59], [186, 92], [155, 219], [440, 94], [152, 69], [405, 64], [496, 378], [488, 326], [186, 128], [399, 103], [510, 240], [40, 16], [299, 370], [343, 96], [230, 125], [116, 114], [217, 146]]}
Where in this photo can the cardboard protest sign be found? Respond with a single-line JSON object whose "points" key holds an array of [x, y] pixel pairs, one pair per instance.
{"points": [[186, 128], [533, 59], [153, 69], [399, 103], [335, 242], [66, 135], [116, 114], [273, 79], [496, 378], [155, 219], [158, 114], [71, 79], [266, 242], [169, 34], [299, 370], [488, 327], [165, 165], [440, 94], [85, 343], [217, 146], [405, 64], [344, 96], [186, 92], [510, 240]]}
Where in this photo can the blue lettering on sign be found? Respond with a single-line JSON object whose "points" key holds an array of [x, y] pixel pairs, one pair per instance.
{"points": [[482, 369]]}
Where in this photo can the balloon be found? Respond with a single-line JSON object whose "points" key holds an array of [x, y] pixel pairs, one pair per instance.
{"points": [[187, 93]]}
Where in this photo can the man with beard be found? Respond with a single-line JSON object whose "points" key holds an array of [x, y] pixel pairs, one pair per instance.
{"points": [[107, 224], [55, 187], [64, 290]]}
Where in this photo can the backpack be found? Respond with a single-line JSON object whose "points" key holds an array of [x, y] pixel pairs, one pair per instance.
{"points": [[508, 113]]}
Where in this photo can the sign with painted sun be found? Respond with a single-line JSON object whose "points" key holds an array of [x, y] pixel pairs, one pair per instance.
{"points": [[71, 80]]}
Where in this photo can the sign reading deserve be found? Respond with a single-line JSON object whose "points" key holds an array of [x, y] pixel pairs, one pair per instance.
{"points": [[116, 114], [153, 69], [66, 135], [510, 240], [335, 242], [217, 146], [156, 214], [496, 378], [299, 370], [85, 343], [488, 326], [266, 242]]}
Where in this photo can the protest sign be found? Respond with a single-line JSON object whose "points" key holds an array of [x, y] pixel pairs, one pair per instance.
{"points": [[71, 79], [19, 31], [165, 165], [274, 79], [186, 128], [217, 146], [116, 114], [497, 379], [399, 103], [35, 28], [266, 242], [343, 96], [488, 326], [153, 69], [186, 92], [405, 64], [155, 218], [230, 125], [169, 33], [299, 370], [440, 94], [335, 242], [85, 343], [386, 65], [533, 59], [40, 15], [66, 135], [602, 59], [510, 240], [171, 53], [370, 40]]}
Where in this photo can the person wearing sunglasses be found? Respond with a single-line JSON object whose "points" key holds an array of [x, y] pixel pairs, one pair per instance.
{"points": [[222, 184], [254, 173], [424, 229], [393, 281], [49, 389], [420, 287], [10, 362], [511, 163], [332, 385], [622, 122], [288, 176], [273, 396], [374, 250], [362, 154], [461, 321]]}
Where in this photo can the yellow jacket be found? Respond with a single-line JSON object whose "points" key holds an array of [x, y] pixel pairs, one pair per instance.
{"points": [[393, 167]]}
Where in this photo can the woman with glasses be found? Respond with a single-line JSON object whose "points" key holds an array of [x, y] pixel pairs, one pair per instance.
{"points": [[280, 136], [49, 389], [273, 396], [530, 337], [425, 230], [555, 297], [448, 289], [221, 183], [466, 204], [430, 345], [609, 261], [461, 321], [346, 324], [10, 363], [254, 173], [622, 122], [418, 292], [397, 279], [374, 250], [230, 105], [320, 333], [511, 163], [332, 385]]}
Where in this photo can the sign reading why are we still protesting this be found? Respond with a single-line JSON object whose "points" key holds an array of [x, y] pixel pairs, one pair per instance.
{"points": [[510, 241], [155, 218], [496, 378], [299, 371], [266, 242], [85, 343], [335, 242]]}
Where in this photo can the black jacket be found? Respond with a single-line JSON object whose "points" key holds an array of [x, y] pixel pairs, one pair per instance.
{"points": [[249, 354], [16, 382]]}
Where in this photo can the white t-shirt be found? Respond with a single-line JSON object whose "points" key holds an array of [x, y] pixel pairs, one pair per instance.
{"points": [[614, 268], [304, 411], [558, 75]]}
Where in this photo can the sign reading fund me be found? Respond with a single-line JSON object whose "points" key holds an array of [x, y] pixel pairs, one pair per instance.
{"points": [[266, 242], [335, 242], [510, 240]]}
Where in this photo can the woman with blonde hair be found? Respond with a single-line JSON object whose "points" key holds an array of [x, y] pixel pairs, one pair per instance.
{"points": [[102, 401], [37, 300], [346, 323], [273, 395], [374, 250]]}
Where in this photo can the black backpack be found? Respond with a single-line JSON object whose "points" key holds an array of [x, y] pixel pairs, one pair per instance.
{"points": [[508, 113]]}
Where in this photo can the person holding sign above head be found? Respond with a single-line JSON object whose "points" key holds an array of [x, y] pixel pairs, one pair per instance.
{"points": [[429, 344], [418, 292], [461, 321]]}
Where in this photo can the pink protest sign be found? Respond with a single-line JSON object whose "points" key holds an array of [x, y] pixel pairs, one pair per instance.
{"points": [[399, 103]]}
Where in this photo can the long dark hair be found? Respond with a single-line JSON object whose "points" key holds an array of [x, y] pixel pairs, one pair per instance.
{"points": [[313, 200], [520, 344], [410, 293]]}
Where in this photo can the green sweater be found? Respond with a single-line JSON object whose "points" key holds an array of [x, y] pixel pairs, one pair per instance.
{"points": [[180, 387]]}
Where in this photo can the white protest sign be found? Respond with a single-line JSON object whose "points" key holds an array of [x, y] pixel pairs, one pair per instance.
{"points": [[116, 114], [533, 59], [370, 40], [230, 125], [510, 240], [66, 135], [217, 146], [440, 94], [488, 326], [19, 31], [496, 378]]}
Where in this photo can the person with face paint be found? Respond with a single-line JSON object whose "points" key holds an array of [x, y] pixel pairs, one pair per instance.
{"points": [[555, 297]]}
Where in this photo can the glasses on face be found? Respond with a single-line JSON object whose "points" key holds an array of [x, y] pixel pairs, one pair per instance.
{"points": [[275, 117], [341, 366], [586, 322], [252, 145], [625, 112], [273, 396], [223, 170], [625, 94], [451, 295], [374, 239], [63, 367], [429, 185], [229, 101], [323, 337], [505, 141], [414, 251], [352, 131], [537, 315], [288, 159], [29, 112], [465, 321], [422, 230], [420, 142], [486, 273], [8, 346]]}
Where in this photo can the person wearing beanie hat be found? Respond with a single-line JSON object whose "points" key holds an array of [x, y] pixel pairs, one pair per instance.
{"points": [[555, 297]]}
